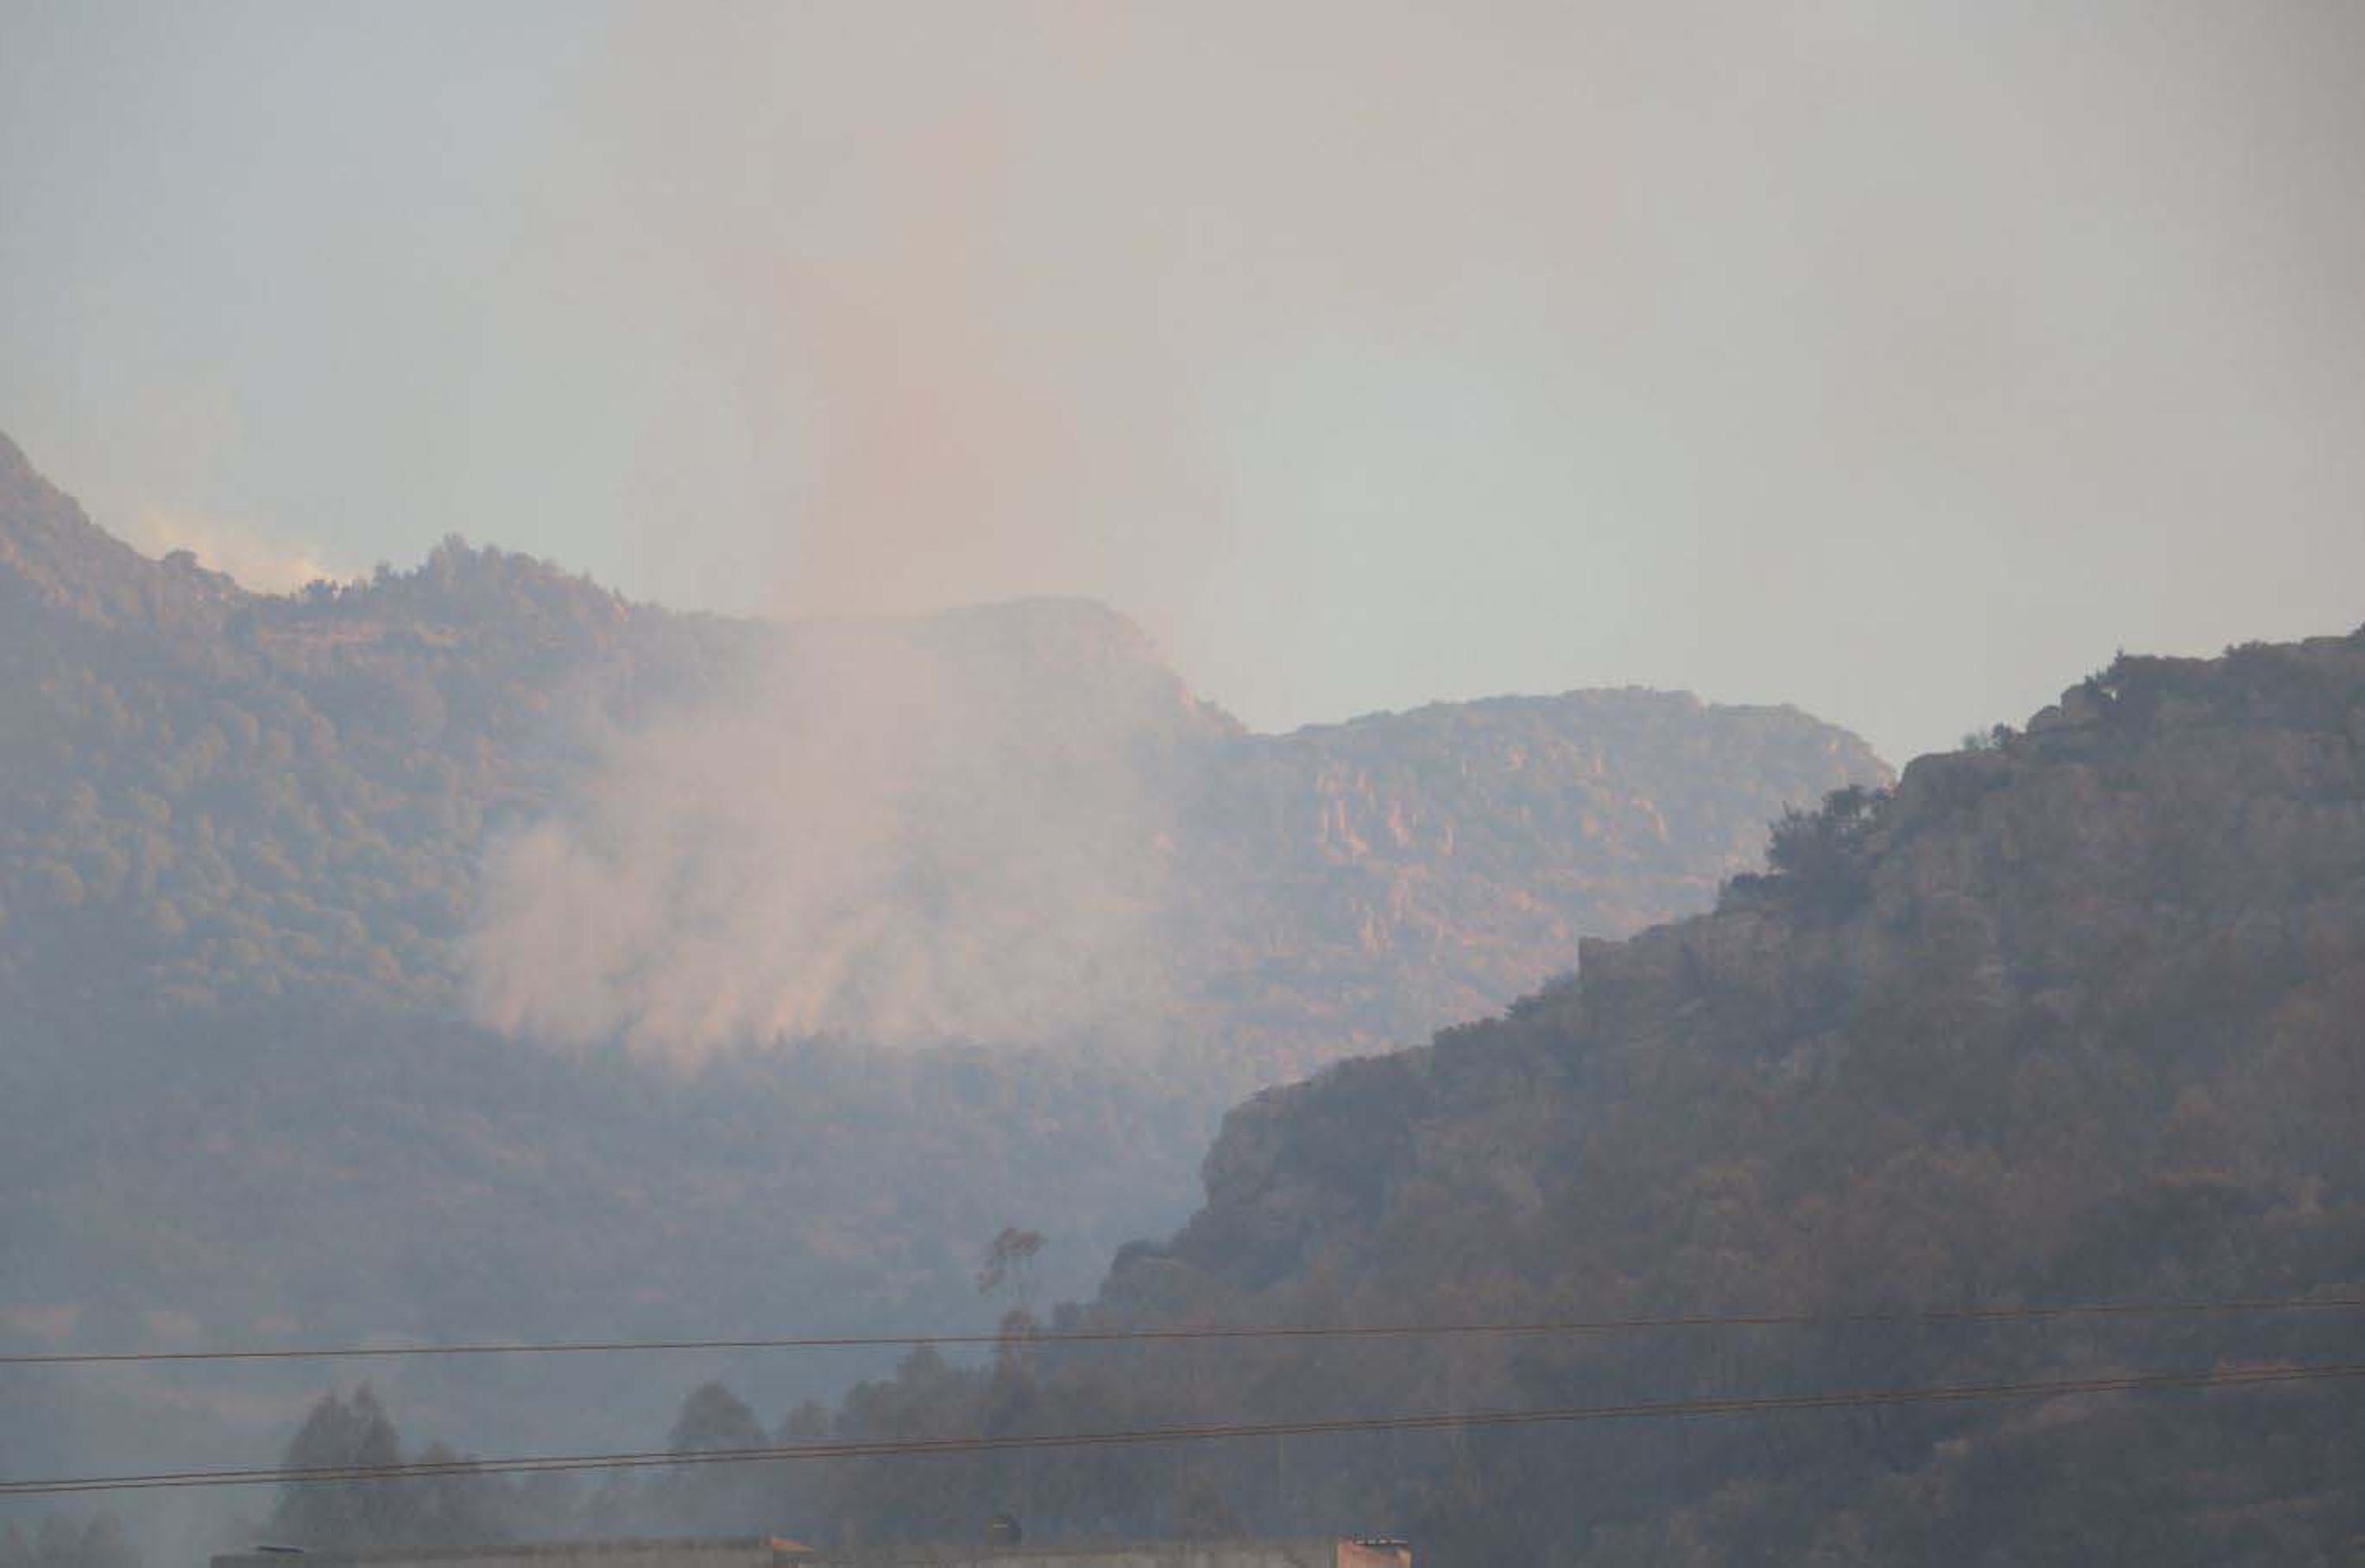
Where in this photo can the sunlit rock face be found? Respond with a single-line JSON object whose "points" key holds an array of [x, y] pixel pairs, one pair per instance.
{"points": [[1013, 825], [488, 786], [2072, 1016], [539, 962]]}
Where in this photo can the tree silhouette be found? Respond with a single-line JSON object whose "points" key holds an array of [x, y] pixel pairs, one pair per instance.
{"points": [[1008, 1259], [342, 1516]]}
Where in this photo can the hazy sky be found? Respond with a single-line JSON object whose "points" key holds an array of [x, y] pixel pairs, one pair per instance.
{"points": [[1902, 362]]}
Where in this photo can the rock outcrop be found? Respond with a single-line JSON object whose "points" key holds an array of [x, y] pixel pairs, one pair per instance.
{"points": [[2074, 1017]]}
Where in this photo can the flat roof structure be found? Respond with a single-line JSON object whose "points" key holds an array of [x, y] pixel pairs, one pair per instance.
{"points": [[778, 1551], [1326, 1552], [713, 1551]]}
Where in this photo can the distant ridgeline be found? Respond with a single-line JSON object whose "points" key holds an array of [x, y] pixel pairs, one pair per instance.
{"points": [[283, 879], [2077, 1016], [216, 797]]}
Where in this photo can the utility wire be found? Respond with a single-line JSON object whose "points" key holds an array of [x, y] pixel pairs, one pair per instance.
{"points": [[1160, 1336], [2248, 1377]]}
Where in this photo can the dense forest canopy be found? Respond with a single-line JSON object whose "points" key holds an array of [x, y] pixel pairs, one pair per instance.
{"points": [[2068, 1015], [2071, 1016], [216, 798], [262, 1083]]}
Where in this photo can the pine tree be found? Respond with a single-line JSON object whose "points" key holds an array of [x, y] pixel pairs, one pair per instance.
{"points": [[343, 1515]]}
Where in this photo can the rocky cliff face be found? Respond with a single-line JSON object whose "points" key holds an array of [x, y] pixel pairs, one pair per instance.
{"points": [[2071, 1018], [1369, 882], [250, 1088], [236, 795]]}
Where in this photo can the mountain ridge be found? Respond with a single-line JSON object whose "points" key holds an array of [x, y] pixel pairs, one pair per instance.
{"points": [[2070, 1017], [516, 677], [254, 851], [2067, 1018]]}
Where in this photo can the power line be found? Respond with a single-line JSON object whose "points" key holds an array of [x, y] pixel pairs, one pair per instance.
{"points": [[1157, 1336], [922, 1446]]}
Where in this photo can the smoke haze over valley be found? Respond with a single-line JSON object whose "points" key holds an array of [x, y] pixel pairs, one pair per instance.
{"points": [[477, 955], [1165, 811], [1886, 360], [894, 833]]}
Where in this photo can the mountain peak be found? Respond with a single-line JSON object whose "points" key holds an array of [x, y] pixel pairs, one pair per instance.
{"points": [[52, 556]]}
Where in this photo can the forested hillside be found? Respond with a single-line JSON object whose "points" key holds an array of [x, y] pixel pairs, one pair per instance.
{"points": [[443, 955], [215, 797], [2073, 1016]]}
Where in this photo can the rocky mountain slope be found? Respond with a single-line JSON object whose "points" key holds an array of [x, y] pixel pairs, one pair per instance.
{"points": [[2074, 1017], [345, 939], [213, 795]]}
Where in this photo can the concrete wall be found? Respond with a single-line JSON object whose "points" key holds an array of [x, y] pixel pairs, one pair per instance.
{"points": [[1324, 1553], [752, 1551], [762, 1552]]}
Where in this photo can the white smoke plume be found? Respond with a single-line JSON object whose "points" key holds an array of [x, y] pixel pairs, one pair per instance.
{"points": [[255, 557], [897, 832]]}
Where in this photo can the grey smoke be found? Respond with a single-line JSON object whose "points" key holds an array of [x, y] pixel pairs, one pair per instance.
{"points": [[900, 832]]}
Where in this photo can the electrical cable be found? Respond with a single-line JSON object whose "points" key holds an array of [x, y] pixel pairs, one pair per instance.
{"points": [[1158, 1336], [2215, 1377]]}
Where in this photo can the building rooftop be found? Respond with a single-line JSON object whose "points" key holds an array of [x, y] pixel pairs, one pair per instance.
{"points": [[778, 1551]]}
